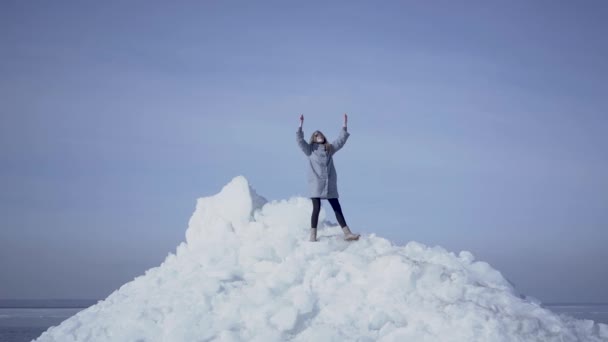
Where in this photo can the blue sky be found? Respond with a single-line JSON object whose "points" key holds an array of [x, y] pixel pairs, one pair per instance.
{"points": [[474, 125]]}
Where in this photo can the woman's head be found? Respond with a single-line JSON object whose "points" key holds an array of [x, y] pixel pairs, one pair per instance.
{"points": [[319, 138]]}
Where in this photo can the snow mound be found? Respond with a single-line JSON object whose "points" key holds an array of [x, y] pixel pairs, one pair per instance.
{"points": [[247, 272]]}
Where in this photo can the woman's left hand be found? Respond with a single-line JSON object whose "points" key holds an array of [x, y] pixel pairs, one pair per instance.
{"points": [[345, 119]]}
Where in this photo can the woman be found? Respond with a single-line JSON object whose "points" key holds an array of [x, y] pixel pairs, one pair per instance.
{"points": [[322, 176]]}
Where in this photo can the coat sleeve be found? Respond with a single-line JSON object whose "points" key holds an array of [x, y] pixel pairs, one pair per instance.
{"points": [[304, 146], [338, 143]]}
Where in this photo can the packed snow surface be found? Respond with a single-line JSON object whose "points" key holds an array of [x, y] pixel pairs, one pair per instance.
{"points": [[247, 272]]}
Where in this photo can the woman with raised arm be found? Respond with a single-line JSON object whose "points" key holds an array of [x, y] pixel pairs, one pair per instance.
{"points": [[322, 176]]}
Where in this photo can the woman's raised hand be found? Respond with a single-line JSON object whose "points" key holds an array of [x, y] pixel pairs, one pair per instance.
{"points": [[301, 119], [345, 119]]}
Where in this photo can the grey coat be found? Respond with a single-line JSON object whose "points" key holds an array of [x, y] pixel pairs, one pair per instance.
{"points": [[322, 176]]}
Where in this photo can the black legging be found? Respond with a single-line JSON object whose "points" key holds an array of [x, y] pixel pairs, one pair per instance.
{"points": [[316, 208]]}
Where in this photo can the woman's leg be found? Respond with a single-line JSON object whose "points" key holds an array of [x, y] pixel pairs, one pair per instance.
{"points": [[316, 208], [335, 205], [348, 235]]}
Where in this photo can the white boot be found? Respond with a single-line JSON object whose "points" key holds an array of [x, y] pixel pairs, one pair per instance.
{"points": [[348, 236], [313, 234]]}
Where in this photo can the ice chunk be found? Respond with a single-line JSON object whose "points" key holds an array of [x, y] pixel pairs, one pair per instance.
{"points": [[247, 272]]}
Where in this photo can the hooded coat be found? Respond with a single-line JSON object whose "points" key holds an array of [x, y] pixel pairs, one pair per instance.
{"points": [[322, 176]]}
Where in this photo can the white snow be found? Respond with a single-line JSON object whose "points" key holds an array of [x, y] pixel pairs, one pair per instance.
{"points": [[247, 272]]}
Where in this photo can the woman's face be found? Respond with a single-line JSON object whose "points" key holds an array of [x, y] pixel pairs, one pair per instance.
{"points": [[319, 138]]}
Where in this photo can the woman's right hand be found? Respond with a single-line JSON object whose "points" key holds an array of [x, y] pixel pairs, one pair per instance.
{"points": [[301, 119]]}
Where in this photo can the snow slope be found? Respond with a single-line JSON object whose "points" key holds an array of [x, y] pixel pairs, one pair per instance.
{"points": [[247, 273]]}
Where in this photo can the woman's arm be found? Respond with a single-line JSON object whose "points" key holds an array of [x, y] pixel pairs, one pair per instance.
{"points": [[338, 143], [304, 146]]}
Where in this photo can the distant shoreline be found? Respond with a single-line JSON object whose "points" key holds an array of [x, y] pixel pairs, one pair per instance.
{"points": [[46, 303], [575, 304]]}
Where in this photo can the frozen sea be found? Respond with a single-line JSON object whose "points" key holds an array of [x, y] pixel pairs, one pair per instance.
{"points": [[597, 312], [25, 320]]}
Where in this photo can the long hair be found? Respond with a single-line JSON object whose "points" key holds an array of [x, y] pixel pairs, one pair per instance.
{"points": [[325, 142]]}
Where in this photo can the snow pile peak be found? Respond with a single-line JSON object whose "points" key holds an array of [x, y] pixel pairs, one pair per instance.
{"points": [[247, 272]]}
